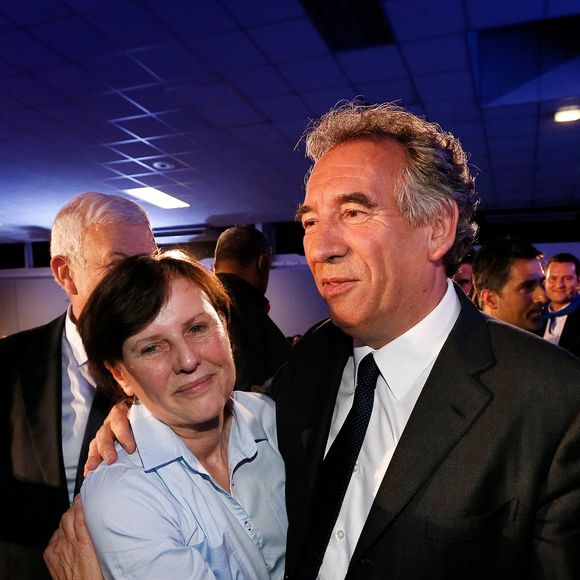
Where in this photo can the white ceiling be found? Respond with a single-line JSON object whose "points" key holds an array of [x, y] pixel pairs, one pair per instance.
{"points": [[93, 92]]}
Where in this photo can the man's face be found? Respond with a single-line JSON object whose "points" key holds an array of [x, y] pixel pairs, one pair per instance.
{"points": [[521, 301], [371, 267], [103, 246], [561, 283]]}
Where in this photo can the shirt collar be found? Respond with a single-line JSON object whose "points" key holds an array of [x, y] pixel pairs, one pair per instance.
{"points": [[74, 339], [403, 360], [162, 446]]}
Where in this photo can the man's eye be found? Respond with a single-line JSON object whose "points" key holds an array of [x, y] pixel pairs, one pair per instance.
{"points": [[306, 224], [355, 215]]}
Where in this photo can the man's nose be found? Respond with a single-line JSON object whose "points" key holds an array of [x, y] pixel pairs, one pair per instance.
{"points": [[539, 295], [325, 242]]}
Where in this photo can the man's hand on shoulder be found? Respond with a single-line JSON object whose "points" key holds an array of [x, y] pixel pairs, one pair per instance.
{"points": [[115, 427]]}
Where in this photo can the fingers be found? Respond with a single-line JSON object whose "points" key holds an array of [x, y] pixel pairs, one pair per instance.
{"points": [[102, 447], [121, 429]]}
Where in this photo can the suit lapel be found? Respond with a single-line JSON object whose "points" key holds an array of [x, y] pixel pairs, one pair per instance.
{"points": [[40, 385], [305, 406], [451, 401], [98, 413]]}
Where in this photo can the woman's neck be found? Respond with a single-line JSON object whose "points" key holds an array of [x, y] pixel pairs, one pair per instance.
{"points": [[210, 446]]}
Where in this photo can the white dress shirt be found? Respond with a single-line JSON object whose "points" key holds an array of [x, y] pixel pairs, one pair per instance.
{"points": [[404, 364], [78, 392], [554, 328]]}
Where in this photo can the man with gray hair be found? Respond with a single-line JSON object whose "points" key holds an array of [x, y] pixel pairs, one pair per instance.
{"points": [[422, 439], [50, 405]]}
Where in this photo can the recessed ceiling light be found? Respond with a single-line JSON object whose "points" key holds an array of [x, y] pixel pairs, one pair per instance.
{"points": [[567, 115], [156, 197], [163, 165]]}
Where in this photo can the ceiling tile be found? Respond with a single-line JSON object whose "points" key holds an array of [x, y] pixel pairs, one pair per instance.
{"points": [[312, 74], [33, 11], [192, 19], [323, 100], [482, 14], [414, 19], [377, 63], [400, 90], [229, 114], [229, 51], [445, 53], [283, 107], [442, 86], [25, 52], [273, 40], [145, 28], [258, 82], [264, 11]]}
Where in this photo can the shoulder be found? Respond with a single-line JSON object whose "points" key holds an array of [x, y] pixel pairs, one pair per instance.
{"points": [[122, 489], [534, 365], [34, 338], [256, 407]]}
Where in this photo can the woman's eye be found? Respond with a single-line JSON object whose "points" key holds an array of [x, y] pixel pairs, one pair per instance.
{"points": [[197, 328], [150, 349]]}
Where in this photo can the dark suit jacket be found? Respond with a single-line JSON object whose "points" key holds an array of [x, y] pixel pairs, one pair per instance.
{"points": [[33, 490], [259, 346], [485, 480], [570, 339]]}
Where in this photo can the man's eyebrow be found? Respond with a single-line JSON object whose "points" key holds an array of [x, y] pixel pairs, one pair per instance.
{"points": [[355, 197], [301, 210], [360, 198]]}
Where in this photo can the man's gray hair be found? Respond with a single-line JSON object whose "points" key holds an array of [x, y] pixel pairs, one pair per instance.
{"points": [[436, 172], [86, 210]]}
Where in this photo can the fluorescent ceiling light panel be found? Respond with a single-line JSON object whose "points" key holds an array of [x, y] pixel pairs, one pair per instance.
{"points": [[156, 197], [567, 115]]}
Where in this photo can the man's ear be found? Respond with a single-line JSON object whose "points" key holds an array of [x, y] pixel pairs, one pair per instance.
{"points": [[61, 271], [488, 299], [263, 264], [442, 233], [117, 371]]}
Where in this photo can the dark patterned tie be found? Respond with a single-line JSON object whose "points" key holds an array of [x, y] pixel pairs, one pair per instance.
{"points": [[338, 466]]}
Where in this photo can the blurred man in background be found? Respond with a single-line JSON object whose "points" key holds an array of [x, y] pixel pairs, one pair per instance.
{"points": [[243, 258], [509, 282]]}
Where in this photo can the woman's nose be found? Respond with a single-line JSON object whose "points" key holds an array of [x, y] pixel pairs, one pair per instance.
{"points": [[186, 359]]}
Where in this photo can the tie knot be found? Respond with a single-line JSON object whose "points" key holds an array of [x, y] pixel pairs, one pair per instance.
{"points": [[368, 372]]}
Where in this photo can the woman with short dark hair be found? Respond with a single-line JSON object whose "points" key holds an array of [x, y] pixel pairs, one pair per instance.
{"points": [[203, 497]]}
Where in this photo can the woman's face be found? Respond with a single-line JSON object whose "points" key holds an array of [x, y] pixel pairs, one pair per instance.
{"points": [[180, 366]]}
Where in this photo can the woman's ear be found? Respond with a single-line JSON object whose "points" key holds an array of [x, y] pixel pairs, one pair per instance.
{"points": [[118, 371], [443, 232]]}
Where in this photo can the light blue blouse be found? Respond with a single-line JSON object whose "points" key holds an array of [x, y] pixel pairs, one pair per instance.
{"points": [[158, 514]]}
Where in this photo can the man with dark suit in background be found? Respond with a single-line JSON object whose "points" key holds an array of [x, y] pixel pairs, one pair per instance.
{"points": [[563, 312], [49, 403], [422, 439], [243, 258]]}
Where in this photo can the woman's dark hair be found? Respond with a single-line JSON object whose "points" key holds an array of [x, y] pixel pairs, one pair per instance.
{"points": [[129, 297]]}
